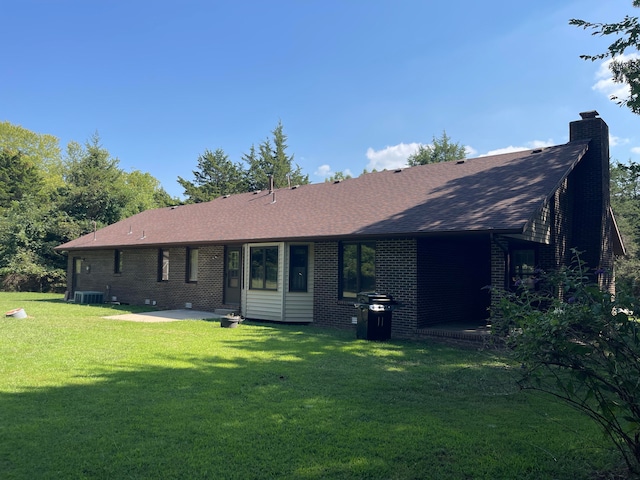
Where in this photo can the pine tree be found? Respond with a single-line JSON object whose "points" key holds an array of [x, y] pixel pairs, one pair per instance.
{"points": [[441, 150], [272, 161], [19, 177]]}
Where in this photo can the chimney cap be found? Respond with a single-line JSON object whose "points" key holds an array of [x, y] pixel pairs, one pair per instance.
{"points": [[589, 114]]}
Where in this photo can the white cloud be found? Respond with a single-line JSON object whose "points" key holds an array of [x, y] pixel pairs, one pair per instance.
{"points": [[323, 171], [499, 151], [390, 157], [528, 146], [636, 150], [615, 141], [396, 156], [605, 83]]}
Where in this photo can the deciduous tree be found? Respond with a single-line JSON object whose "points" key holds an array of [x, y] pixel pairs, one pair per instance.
{"points": [[144, 192], [625, 203], [29, 231], [625, 70], [40, 150]]}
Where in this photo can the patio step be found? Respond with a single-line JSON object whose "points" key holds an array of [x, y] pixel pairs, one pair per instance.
{"points": [[478, 334]]}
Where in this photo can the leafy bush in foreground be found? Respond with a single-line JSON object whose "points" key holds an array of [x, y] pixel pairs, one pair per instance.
{"points": [[581, 345]]}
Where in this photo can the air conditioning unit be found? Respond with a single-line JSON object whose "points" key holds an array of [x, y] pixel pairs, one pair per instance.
{"points": [[88, 297]]}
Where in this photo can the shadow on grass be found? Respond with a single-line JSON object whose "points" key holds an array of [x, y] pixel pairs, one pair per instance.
{"points": [[284, 403]]}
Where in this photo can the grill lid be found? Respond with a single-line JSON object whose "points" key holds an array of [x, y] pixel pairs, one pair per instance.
{"points": [[375, 298]]}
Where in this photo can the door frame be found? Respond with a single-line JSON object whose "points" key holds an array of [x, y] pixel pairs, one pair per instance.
{"points": [[76, 269], [236, 298]]}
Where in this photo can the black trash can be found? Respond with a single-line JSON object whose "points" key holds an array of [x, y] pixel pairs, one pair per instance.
{"points": [[374, 315]]}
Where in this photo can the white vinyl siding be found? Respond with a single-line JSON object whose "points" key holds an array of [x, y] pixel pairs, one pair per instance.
{"points": [[278, 305], [299, 305], [263, 304]]}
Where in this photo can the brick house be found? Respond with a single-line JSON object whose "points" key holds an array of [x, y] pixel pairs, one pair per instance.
{"points": [[432, 236]]}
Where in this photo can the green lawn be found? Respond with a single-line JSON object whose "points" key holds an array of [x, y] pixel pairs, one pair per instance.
{"points": [[86, 397]]}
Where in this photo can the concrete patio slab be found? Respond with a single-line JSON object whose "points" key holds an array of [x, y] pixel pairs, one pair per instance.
{"points": [[165, 316]]}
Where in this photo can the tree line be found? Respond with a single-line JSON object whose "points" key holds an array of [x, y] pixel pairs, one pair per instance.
{"points": [[48, 197], [268, 165]]}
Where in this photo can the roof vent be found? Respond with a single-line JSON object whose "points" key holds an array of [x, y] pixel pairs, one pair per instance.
{"points": [[294, 187], [226, 196], [255, 192], [174, 207], [537, 150], [461, 161], [337, 181], [397, 170]]}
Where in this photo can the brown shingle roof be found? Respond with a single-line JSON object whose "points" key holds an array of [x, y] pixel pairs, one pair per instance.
{"points": [[499, 193]]}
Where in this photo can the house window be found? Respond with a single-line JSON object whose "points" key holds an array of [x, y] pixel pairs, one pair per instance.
{"points": [[117, 261], [523, 267], [298, 259], [192, 264], [264, 268], [357, 268], [163, 265]]}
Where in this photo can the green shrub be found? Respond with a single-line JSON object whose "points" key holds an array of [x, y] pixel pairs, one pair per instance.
{"points": [[581, 345]]}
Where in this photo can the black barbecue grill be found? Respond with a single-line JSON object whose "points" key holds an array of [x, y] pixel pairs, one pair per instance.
{"points": [[374, 315]]}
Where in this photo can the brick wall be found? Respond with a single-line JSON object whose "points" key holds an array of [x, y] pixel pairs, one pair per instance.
{"points": [[499, 279], [138, 281], [396, 275], [327, 310], [557, 251], [452, 274], [396, 271]]}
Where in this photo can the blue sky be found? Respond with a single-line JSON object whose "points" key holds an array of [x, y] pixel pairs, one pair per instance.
{"points": [[356, 84]]}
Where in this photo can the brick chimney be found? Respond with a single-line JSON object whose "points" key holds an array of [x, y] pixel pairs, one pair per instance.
{"points": [[592, 229]]}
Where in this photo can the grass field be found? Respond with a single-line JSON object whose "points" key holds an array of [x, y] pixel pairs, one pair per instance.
{"points": [[86, 397]]}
